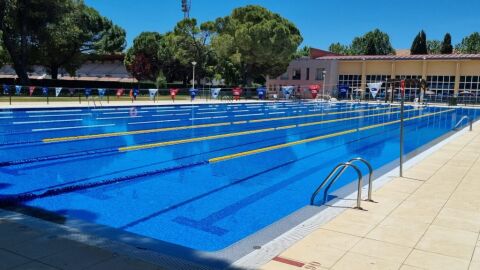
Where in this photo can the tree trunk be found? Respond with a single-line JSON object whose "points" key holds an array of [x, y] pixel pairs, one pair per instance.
{"points": [[54, 72], [19, 66]]}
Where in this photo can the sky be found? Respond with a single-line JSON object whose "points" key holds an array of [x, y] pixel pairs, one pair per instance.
{"points": [[321, 22]]}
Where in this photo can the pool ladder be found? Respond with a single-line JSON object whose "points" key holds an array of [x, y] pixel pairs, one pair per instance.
{"points": [[461, 120], [337, 172]]}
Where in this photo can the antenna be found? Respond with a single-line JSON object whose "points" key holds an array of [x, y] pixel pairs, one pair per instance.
{"points": [[186, 5]]}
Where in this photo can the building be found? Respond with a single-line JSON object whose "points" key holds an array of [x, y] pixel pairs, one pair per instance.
{"points": [[107, 68], [446, 75]]}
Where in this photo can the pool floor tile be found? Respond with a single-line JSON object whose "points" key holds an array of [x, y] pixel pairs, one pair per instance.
{"points": [[9, 259]]}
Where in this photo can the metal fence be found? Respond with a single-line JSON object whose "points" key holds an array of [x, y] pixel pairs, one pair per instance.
{"points": [[49, 94]]}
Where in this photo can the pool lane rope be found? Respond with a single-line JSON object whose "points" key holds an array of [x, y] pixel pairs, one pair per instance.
{"points": [[10, 200], [156, 130], [174, 142]]}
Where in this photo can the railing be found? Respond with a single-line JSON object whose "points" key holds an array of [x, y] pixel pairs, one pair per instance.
{"points": [[461, 120], [337, 172]]}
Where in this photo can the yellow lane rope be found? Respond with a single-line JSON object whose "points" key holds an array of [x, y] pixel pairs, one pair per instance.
{"points": [[156, 130], [226, 135], [284, 145]]}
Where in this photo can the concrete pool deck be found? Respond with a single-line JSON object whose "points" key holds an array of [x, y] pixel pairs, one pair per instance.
{"points": [[430, 219]]}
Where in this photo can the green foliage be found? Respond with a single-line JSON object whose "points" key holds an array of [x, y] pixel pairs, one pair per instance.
{"points": [[161, 81], [3, 53], [374, 42], [302, 52], [78, 31], [434, 46], [55, 34], [339, 48], [21, 22], [446, 47], [253, 43], [171, 54], [469, 44], [143, 58], [190, 43], [419, 45]]}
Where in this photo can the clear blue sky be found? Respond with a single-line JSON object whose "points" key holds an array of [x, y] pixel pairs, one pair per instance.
{"points": [[336, 20]]}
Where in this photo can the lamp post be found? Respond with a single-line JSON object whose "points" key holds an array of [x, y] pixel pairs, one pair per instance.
{"points": [[193, 80], [323, 84]]}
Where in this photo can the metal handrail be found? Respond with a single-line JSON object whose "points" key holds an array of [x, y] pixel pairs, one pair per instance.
{"points": [[342, 167], [370, 176], [461, 120]]}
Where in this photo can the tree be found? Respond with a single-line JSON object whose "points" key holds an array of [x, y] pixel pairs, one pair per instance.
{"points": [[446, 47], [302, 52], [81, 30], [142, 59], [191, 43], [254, 42], [339, 48], [419, 45], [434, 46], [374, 42], [3, 53], [469, 44], [21, 21]]}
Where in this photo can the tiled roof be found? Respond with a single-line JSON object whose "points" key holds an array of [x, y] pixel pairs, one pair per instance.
{"points": [[402, 57]]}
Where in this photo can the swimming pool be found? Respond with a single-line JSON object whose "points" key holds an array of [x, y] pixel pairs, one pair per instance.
{"points": [[201, 177]]}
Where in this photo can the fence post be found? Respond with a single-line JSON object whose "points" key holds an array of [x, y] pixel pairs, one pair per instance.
{"points": [[402, 97]]}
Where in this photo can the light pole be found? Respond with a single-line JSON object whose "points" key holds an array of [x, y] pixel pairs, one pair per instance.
{"points": [[323, 84], [193, 80]]}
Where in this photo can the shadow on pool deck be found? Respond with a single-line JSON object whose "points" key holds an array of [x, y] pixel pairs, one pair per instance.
{"points": [[31, 243]]}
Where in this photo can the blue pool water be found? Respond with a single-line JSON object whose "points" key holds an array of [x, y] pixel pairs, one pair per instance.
{"points": [[197, 176]]}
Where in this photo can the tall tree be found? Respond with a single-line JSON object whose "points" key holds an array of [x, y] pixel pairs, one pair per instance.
{"points": [[469, 44], [3, 53], [339, 48], [21, 21], [374, 42], [81, 30], [419, 45], [257, 42], [434, 46], [142, 59], [191, 43], [302, 52], [447, 47]]}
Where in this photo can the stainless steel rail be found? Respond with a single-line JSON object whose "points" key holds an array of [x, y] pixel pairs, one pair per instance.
{"points": [[333, 176], [461, 120]]}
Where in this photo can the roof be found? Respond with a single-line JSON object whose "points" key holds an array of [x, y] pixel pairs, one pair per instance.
{"points": [[403, 57], [316, 53], [402, 52]]}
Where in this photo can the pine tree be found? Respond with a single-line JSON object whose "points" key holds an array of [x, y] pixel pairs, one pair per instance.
{"points": [[419, 45], [447, 47]]}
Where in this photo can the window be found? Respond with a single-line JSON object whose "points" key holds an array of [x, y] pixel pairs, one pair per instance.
{"points": [[319, 74], [441, 87], [352, 81], [297, 74], [411, 90], [471, 84], [307, 74], [284, 76]]}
